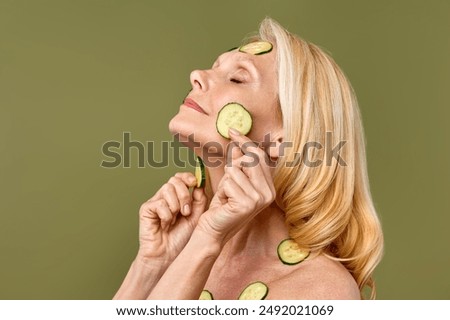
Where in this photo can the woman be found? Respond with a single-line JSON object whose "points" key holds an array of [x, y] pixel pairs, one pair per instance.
{"points": [[317, 193]]}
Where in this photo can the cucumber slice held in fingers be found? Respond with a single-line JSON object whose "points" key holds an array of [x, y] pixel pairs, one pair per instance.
{"points": [[200, 173], [290, 253], [254, 291], [233, 115]]}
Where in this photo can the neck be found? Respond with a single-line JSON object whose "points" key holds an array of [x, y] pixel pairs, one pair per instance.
{"points": [[214, 176], [262, 234]]}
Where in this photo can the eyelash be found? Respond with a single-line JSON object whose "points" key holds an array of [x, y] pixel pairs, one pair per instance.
{"points": [[236, 80]]}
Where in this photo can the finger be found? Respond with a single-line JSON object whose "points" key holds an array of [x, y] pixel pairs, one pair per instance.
{"points": [[261, 191], [233, 151], [182, 194], [250, 175], [254, 156], [199, 203], [237, 200], [158, 209], [239, 138], [241, 179], [169, 194], [248, 146], [253, 166], [188, 178]]}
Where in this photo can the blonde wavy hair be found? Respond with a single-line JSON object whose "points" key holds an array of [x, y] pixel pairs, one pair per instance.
{"points": [[329, 208]]}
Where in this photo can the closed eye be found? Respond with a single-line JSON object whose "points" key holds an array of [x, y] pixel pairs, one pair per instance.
{"points": [[235, 80]]}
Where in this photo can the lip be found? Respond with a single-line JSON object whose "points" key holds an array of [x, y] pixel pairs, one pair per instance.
{"points": [[190, 103]]}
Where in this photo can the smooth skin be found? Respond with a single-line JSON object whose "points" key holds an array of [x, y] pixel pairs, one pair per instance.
{"points": [[186, 246]]}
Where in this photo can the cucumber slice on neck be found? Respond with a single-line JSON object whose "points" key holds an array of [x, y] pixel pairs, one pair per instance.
{"points": [[290, 253], [233, 115]]}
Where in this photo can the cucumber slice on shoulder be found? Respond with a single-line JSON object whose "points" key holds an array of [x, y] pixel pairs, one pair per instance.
{"points": [[290, 253], [206, 295], [200, 173], [254, 291], [257, 48], [233, 115]]}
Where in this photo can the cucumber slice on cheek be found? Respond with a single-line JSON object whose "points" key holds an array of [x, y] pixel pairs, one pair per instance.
{"points": [[200, 173], [233, 115]]}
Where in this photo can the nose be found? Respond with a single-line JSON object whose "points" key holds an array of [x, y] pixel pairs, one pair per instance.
{"points": [[199, 80]]}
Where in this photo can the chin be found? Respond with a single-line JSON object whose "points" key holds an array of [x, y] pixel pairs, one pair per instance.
{"points": [[173, 126], [196, 135], [179, 125]]}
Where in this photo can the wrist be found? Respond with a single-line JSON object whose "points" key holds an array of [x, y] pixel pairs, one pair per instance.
{"points": [[140, 280], [186, 276], [211, 232], [152, 262], [210, 244]]}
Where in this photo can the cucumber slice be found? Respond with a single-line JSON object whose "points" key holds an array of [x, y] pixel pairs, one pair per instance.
{"points": [[254, 291], [233, 115], [200, 173], [256, 48], [290, 253], [206, 295]]}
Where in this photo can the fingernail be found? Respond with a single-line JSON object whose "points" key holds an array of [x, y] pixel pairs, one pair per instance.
{"points": [[187, 209], [234, 132]]}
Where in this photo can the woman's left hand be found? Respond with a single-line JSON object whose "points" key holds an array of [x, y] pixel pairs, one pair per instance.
{"points": [[245, 190]]}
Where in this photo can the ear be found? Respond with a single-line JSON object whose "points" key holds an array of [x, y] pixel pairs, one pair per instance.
{"points": [[273, 144]]}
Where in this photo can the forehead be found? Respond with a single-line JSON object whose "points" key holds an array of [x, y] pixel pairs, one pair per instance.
{"points": [[263, 63]]}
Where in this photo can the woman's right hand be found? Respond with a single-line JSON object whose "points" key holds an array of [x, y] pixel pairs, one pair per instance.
{"points": [[245, 190], [167, 220]]}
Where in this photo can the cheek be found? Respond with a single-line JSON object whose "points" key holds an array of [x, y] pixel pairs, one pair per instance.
{"points": [[265, 120]]}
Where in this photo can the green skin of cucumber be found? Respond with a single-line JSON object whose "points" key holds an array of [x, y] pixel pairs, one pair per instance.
{"points": [[201, 180]]}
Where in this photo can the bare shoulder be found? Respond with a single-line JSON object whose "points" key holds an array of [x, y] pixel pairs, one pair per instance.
{"points": [[320, 278]]}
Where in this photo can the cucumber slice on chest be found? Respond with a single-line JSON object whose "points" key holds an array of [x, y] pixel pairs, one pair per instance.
{"points": [[254, 291], [200, 173], [233, 115], [206, 295], [290, 253]]}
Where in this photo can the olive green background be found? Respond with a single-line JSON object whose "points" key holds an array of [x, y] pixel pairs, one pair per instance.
{"points": [[76, 74]]}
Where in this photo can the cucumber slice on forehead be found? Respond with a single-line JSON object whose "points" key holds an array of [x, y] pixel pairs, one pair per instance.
{"points": [[200, 173], [233, 115], [290, 253], [254, 291], [257, 48]]}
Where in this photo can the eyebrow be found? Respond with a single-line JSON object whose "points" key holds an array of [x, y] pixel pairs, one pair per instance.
{"points": [[250, 66]]}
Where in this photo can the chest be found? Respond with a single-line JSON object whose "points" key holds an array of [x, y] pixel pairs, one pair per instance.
{"points": [[229, 278]]}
